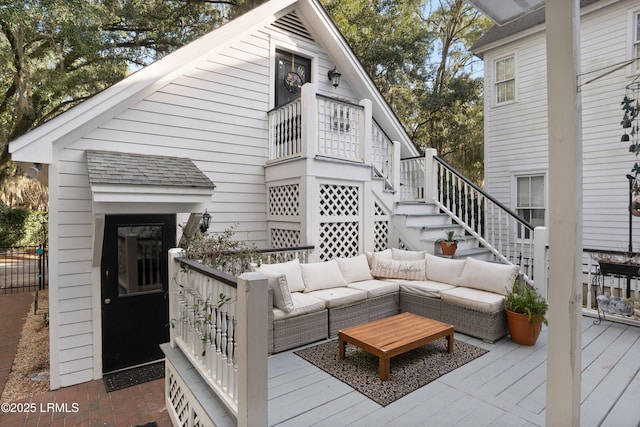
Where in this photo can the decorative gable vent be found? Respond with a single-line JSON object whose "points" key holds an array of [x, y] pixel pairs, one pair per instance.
{"points": [[292, 24]]}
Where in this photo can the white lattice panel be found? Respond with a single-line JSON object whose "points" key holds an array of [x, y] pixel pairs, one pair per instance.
{"points": [[377, 210], [381, 235], [184, 408], [339, 200], [281, 238], [284, 200], [339, 240]]}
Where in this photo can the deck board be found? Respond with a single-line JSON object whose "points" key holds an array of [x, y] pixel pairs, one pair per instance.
{"points": [[505, 387]]}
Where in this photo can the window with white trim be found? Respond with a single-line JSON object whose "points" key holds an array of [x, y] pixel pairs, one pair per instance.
{"points": [[530, 200], [505, 79]]}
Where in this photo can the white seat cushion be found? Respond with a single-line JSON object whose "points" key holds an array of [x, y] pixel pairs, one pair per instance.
{"points": [[427, 288], [444, 270], [322, 275], [302, 304], [488, 276], [292, 270], [337, 297], [486, 302], [375, 288], [355, 269]]}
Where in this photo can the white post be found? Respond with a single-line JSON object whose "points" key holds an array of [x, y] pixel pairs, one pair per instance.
{"points": [[366, 132], [564, 347], [252, 350], [430, 175], [540, 245], [173, 268], [309, 120], [395, 171]]}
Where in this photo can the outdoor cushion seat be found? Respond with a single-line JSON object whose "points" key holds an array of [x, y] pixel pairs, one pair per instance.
{"points": [[375, 288], [427, 288], [302, 304], [337, 297], [486, 302]]}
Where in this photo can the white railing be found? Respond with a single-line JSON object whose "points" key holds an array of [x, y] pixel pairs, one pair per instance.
{"points": [[412, 179], [382, 152], [339, 124], [285, 131], [219, 324], [496, 227]]}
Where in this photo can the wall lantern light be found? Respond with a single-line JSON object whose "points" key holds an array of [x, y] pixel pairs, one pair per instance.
{"points": [[32, 171], [334, 77], [205, 221]]}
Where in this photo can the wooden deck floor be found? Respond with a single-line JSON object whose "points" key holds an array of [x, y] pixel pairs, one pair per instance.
{"points": [[506, 387]]}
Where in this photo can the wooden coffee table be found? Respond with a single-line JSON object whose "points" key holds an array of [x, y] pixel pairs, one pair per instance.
{"points": [[394, 335]]}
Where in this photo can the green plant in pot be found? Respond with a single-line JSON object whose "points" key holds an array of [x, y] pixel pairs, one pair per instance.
{"points": [[449, 244], [526, 312]]}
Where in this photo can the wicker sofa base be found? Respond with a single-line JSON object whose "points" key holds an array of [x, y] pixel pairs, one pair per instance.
{"points": [[383, 306], [489, 327], [421, 305], [348, 315], [300, 330]]}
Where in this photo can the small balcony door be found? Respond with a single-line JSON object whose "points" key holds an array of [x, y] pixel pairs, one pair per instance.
{"points": [[292, 71]]}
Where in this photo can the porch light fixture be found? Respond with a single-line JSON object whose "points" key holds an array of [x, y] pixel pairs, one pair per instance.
{"points": [[32, 171], [334, 77], [205, 221]]}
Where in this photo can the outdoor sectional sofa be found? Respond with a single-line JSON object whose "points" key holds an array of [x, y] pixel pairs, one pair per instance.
{"points": [[313, 301]]}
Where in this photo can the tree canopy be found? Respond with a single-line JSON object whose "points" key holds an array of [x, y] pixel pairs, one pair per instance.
{"points": [[417, 53]]}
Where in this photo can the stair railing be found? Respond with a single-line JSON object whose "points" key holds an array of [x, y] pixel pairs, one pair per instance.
{"points": [[509, 237], [506, 234]]}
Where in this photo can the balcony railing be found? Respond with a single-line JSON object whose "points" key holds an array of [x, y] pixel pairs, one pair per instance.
{"points": [[218, 322], [318, 125]]}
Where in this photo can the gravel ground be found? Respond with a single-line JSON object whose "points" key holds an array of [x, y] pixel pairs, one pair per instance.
{"points": [[30, 372]]}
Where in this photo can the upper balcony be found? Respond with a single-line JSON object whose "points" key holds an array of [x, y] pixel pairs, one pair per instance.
{"points": [[315, 125]]}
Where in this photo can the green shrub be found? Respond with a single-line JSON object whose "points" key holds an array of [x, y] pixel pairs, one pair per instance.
{"points": [[22, 227]]}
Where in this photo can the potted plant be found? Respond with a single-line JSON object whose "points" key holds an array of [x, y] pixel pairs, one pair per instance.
{"points": [[526, 312], [449, 244]]}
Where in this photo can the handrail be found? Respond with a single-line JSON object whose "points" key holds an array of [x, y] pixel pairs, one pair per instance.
{"points": [[484, 193], [221, 276]]}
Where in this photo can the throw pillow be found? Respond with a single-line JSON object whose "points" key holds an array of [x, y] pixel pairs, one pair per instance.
{"points": [[355, 269], [444, 270], [322, 275], [291, 269], [386, 268], [488, 276], [278, 284], [386, 253], [401, 254]]}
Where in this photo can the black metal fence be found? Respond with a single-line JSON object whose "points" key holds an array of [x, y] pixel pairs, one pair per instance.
{"points": [[23, 269]]}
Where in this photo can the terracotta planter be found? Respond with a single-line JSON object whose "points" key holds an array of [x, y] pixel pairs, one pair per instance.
{"points": [[521, 330], [448, 249]]}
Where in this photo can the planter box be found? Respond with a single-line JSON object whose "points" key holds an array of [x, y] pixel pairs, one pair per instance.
{"points": [[619, 269]]}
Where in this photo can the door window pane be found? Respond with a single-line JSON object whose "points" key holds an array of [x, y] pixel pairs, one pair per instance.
{"points": [[139, 259]]}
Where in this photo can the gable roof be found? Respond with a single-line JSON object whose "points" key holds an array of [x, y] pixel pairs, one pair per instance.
{"points": [[38, 144], [526, 22]]}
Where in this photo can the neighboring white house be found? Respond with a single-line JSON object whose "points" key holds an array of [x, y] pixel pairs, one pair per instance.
{"points": [[249, 110], [516, 135]]}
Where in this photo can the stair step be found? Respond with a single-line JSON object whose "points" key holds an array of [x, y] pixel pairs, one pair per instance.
{"points": [[419, 221]]}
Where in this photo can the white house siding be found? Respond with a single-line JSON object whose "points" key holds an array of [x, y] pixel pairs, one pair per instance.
{"points": [[215, 114], [516, 133]]}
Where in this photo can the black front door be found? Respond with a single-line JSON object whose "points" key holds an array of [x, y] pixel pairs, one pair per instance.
{"points": [[134, 283]]}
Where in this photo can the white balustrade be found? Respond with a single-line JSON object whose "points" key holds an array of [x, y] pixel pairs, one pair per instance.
{"points": [[339, 129], [382, 152], [412, 179], [285, 131]]}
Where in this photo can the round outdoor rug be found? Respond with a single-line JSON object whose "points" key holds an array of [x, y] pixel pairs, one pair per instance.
{"points": [[409, 371]]}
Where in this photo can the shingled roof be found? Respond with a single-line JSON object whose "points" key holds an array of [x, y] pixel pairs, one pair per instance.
{"points": [[108, 167], [525, 22]]}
